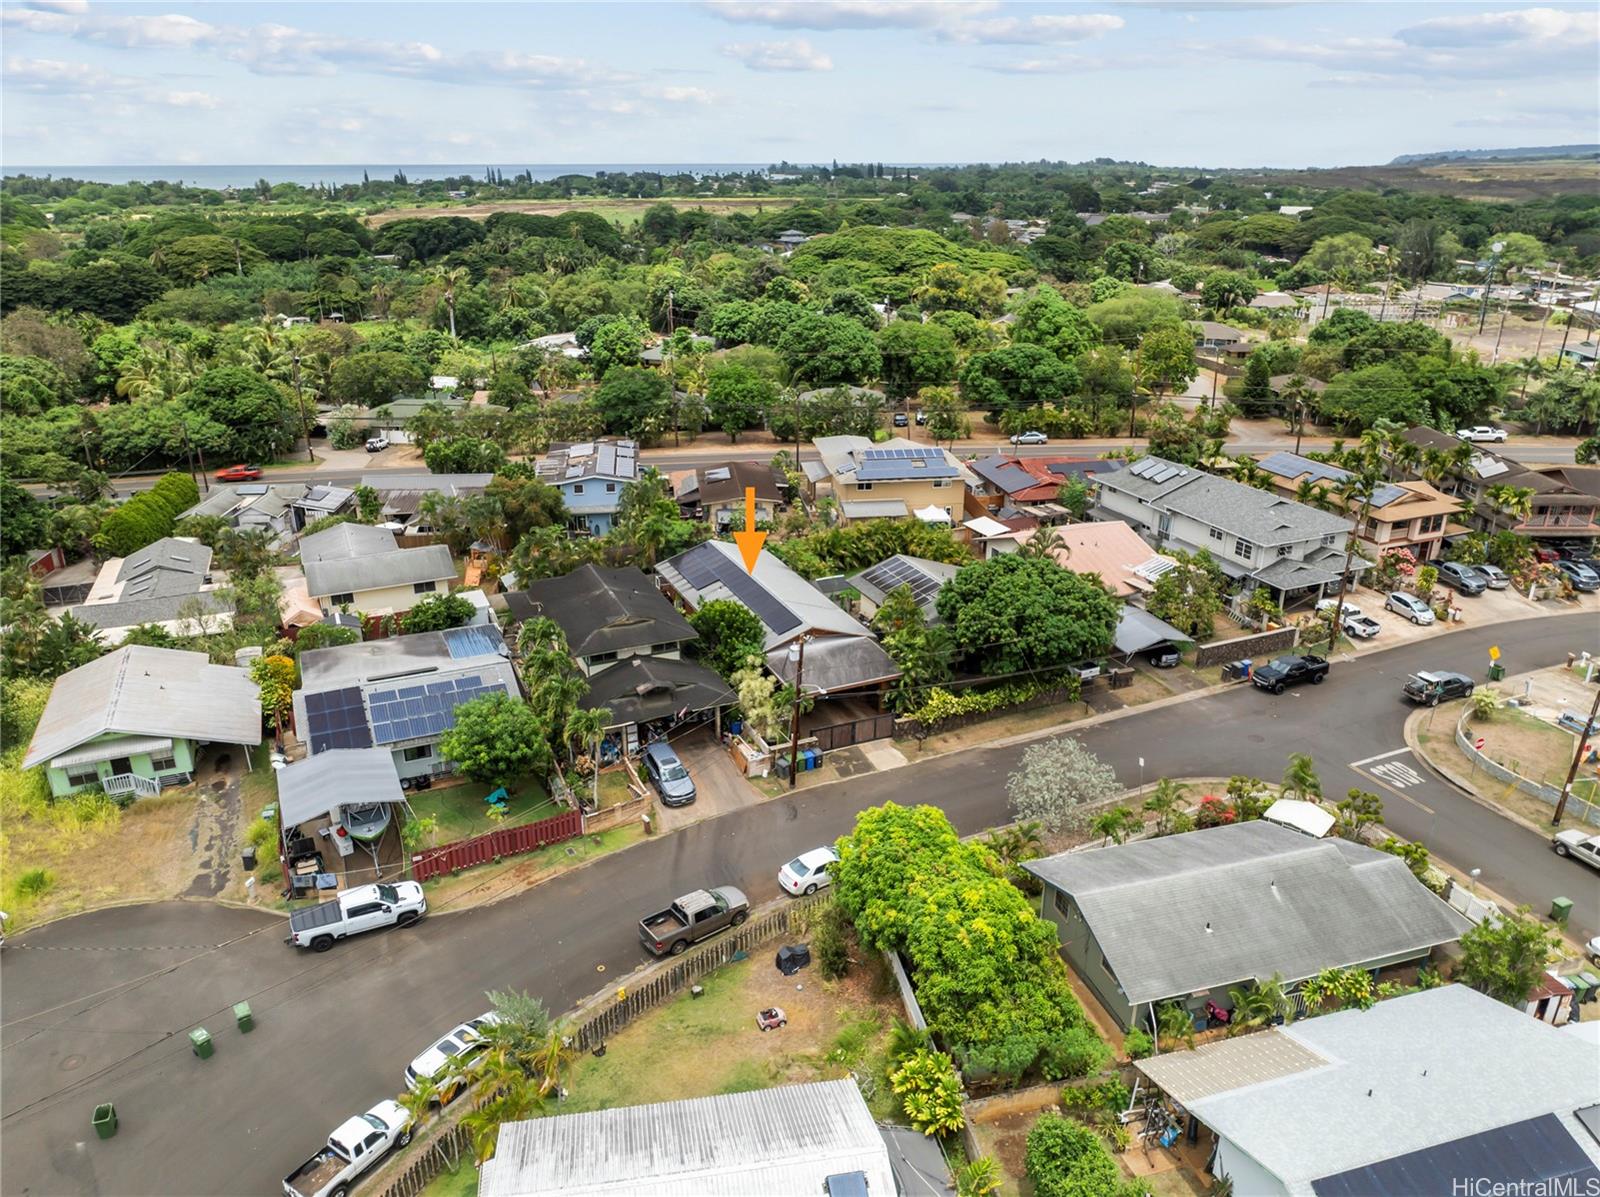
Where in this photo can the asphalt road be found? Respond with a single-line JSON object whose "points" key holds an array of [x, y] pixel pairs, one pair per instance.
{"points": [[97, 1008]]}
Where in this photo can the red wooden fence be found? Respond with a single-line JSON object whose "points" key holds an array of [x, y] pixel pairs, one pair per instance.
{"points": [[503, 841]]}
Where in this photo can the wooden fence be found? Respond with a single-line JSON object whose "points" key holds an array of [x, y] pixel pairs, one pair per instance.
{"points": [[599, 1016], [502, 841]]}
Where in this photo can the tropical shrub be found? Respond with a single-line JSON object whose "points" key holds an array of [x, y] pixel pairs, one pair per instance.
{"points": [[1066, 1159], [929, 1092]]}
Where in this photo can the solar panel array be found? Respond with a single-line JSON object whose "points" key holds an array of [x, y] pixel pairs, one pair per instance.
{"points": [[478, 641], [1153, 469], [896, 572], [704, 565], [336, 719], [423, 709], [887, 464]]}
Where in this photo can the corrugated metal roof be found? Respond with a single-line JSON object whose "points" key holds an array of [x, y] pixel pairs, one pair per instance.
{"points": [[781, 1142], [104, 750], [343, 541], [339, 777], [1228, 1064], [146, 691]]}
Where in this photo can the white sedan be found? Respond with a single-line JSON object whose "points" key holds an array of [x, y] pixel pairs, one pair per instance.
{"points": [[808, 872], [1481, 432]]}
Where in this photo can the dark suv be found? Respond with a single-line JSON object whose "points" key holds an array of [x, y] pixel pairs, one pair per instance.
{"points": [[1462, 577]]}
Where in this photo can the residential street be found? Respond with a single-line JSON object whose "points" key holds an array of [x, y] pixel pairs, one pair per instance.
{"points": [[98, 1008]]}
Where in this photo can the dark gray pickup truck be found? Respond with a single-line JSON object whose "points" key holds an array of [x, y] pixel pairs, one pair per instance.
{"points": [[1290, 671], [692, 918]]}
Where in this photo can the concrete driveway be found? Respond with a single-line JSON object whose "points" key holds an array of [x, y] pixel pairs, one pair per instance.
{"points": [[719, 787]]}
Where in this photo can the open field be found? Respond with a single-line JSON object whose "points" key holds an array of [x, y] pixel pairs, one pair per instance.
{"points": [[624, 211], [1506, 181]]}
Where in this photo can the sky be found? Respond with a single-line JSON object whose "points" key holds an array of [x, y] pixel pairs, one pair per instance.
{"points": [[1213, 84]]}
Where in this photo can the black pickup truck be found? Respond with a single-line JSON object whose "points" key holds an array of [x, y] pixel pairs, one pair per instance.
{"points": [[1290, 671]]}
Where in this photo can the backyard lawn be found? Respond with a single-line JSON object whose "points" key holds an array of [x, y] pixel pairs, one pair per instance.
{"points": [[463, 813]]}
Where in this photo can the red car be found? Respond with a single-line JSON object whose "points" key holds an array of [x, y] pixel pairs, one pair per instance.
{"points": [[239, 473], [1546, 556]]}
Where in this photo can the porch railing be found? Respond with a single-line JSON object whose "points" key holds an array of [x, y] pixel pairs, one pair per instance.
{"points": [[131, 783]]}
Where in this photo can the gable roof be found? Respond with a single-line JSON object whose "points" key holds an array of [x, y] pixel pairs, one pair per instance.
{"points": [[603, 610], [343, 541], [162, 608], [1413, 1074], [376, 571], [609, 457], [1262, 517], [786, 603], [1027, 479], [852, 458], [1208, 909], [344, 777], [144, 691], [650, 687], [231, 502], [786, 1140], [727, 481], [1109, 548], [925, 577], [171, 565]]}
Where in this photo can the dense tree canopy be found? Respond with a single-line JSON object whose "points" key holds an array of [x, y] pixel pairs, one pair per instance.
{"points": [[1014, 613]]}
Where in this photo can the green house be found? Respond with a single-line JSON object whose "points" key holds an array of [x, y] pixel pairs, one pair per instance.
{"points": [[134, 721]]}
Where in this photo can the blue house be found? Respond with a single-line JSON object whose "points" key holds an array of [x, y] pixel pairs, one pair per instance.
{"points": [[590, 477]]}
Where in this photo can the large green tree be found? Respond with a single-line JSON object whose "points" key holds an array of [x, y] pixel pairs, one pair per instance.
{"points": [[496, 740], [737, 398], [1015, 378], [827, 350], [257, 413], [634, 401], [915, 355], [1014, 613], [1505, 957], [729, 633], [374, 378], [1049, 321]]}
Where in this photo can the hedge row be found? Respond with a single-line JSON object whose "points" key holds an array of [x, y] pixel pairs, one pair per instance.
{"points": [[147, 517], [986, 968]]}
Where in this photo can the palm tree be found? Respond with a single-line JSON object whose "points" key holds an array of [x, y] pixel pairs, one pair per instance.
{"points": [[1515, 501], [584, 727], [1529, 367], [1115, 825], [419, 1102], [1300, 778], [553, 1061], [1260, 1004], [1174, 1022], [1045, 542], [1166, 803], [450, 279], [382, 292]]}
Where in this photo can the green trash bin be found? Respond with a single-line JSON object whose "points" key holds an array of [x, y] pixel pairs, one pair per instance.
{"points": [[1497, 672], [1561, 910], [242, 1016], [200, 1041], [105, 1120]]}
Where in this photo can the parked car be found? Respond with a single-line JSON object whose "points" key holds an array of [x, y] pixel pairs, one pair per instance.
{"points": [[1277, 674], [377, 444], [808, 872], [901, 420], [1164, 656], [1581, 576], [692, 918], [1345, 609], [1461, 577], [922, 418], [1030, 438], [445, 1063], [667, 774], [1578, 845], [1493, 576], [1409, 605], [1435, 686], [239, 473], [355, 1145], [364, 908], [1545, 556], [1360, 627], [1481, 432]]}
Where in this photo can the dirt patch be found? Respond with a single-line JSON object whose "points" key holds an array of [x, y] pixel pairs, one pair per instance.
{"points": [[1005, 1140], [214, 830]]}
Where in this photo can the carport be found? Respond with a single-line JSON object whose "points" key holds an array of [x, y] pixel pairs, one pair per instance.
{"points": [[1138, 631], [313, 796]]}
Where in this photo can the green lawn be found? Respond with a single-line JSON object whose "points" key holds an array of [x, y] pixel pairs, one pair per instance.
{"points": [[463, 813], [462, 1182]]}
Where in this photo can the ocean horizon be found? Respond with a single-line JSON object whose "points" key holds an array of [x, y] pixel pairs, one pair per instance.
{"points": [[308, 174]]}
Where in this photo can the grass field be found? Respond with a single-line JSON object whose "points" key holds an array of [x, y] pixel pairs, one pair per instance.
{"points": [[463, 813], [623, 211]]}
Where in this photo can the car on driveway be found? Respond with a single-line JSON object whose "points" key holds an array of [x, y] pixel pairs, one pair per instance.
{"points": [[1359, 626], [446, 1062], [1493, 576], [1432, 687], [1030, 438], [1164, 656], [808, 872], [239, 473], [377, 444], [1481, 433], [1409, 605], [667, 774], [1461, 577], [901, 419], [1345, 609], [1578, 845], [1581, 576], [364, 908]]}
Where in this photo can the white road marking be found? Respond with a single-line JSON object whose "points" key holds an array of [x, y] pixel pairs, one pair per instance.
{"points": [[1380, 757], [1397, 774]]}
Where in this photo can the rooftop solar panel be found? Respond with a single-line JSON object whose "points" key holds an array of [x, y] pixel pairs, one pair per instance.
{"points": [[336, 719], [475, 641], [704, 565], [896, 572]]}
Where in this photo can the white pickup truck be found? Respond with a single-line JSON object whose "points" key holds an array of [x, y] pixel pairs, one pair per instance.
{"points": [[364, 908], [355, 1145]]}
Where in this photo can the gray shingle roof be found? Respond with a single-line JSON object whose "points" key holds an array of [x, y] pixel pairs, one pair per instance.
{"points": [[644, 688], [144, 691], [838, 663], [783, 1141], [1262, 517], [1209, 909], [160, 609], [168, 566], [343, 541], [603, 610], [402, 567]]}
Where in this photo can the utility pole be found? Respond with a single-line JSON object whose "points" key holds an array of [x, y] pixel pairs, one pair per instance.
{"points": [[1567, 332], [1577, 759], [300, 402], [797, 654], [1488, 284]]}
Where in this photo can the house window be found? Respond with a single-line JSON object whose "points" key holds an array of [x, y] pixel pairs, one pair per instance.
{"points": [[611, 488], [941, 483], [83, 775], [341, 600], [1285, 549], [1372, 529], [863, 486], [601, 658], [1063, 904], [164, 764], [1216, 534], [1244, 549], [577, 488], [424, 587], [418, 752], [1327, 541], [1433, 523], [668, 647]]}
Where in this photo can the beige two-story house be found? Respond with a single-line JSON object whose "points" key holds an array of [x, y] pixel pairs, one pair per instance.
{"points": [[897, 479], [1403, 515]]}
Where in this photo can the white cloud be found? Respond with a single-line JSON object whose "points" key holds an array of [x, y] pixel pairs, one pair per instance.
{"points": [[1075, 64], [67, 6], [52, 76], [795, 55], [1496, 29], [846, 14], [1027, 31], [681, 95], [187, 99]]}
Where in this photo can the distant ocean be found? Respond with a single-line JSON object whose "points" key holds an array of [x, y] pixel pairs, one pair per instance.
{"points": [[309, 175]]}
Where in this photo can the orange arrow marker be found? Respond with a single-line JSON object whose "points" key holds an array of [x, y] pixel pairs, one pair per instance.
{"points": [[750, 541]]}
